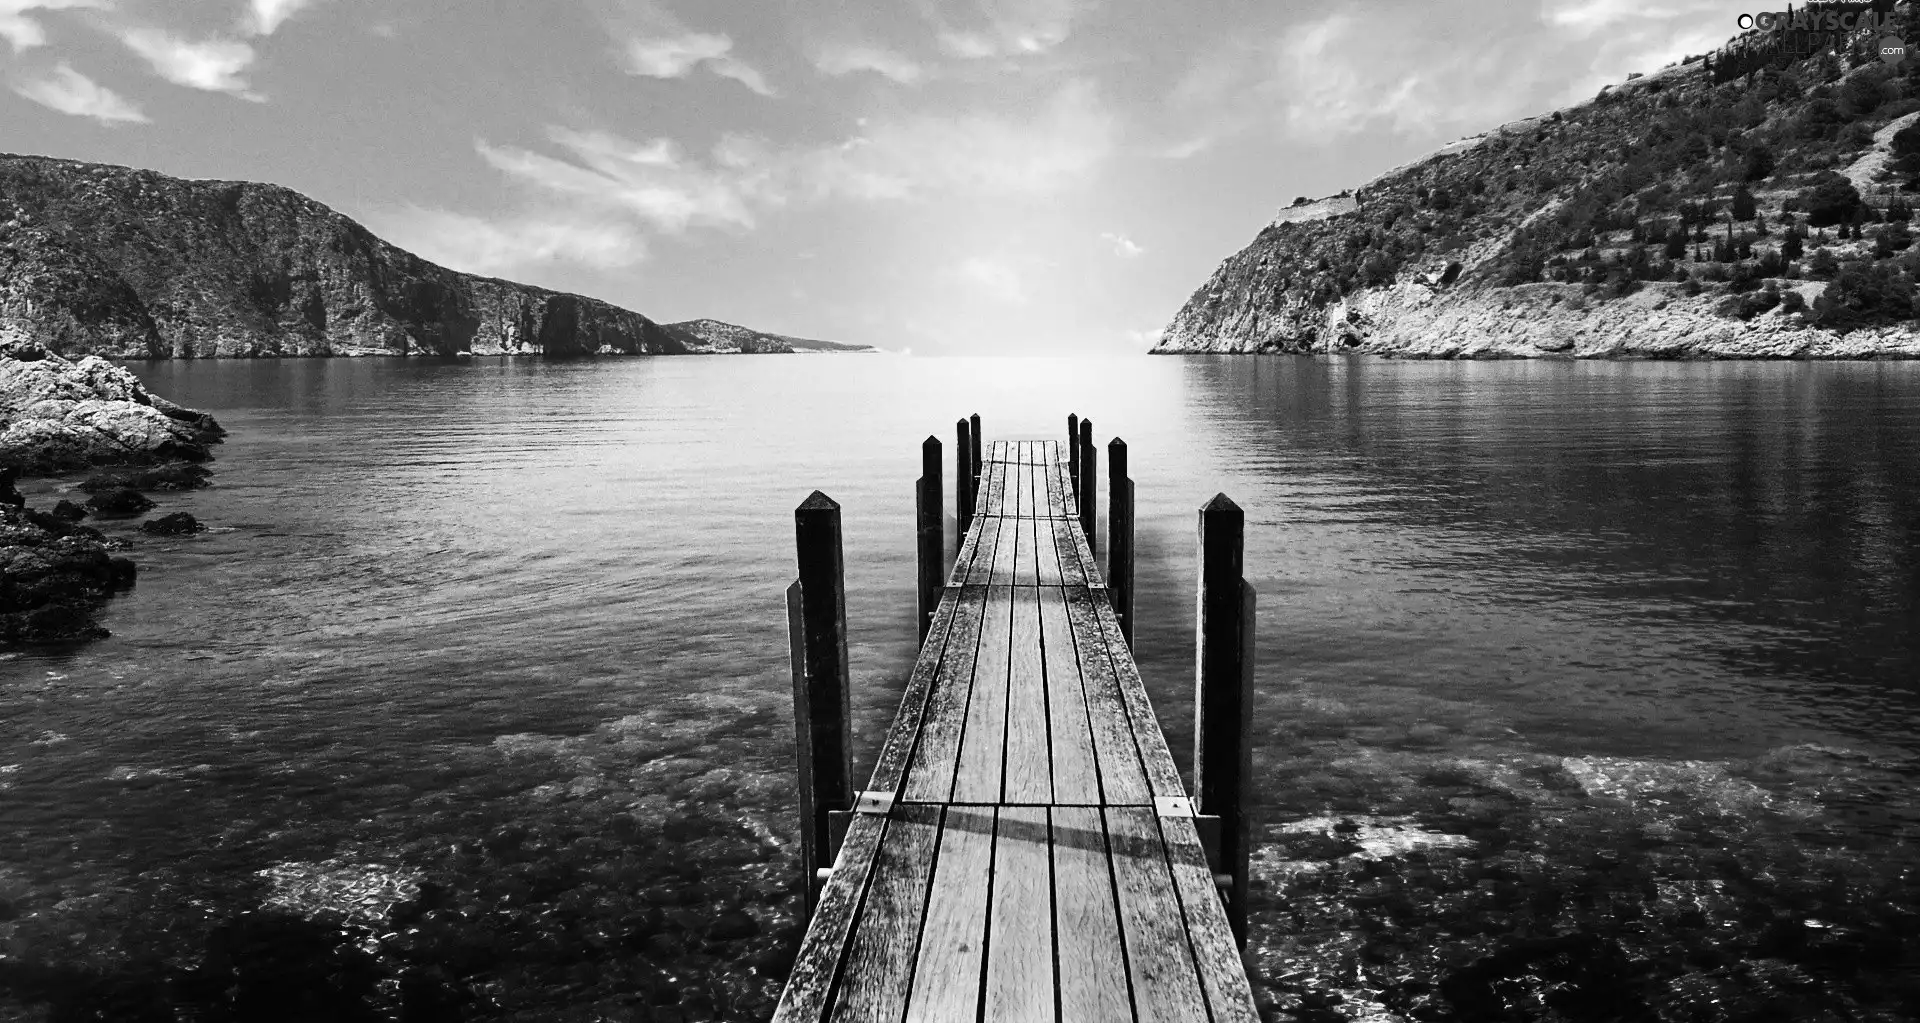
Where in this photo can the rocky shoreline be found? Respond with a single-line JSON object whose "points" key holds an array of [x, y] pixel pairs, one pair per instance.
{"points": [[62, 415], [1422, 320]]}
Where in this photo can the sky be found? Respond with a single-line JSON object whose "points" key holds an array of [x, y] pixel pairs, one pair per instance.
{"points": [[939, 176]]}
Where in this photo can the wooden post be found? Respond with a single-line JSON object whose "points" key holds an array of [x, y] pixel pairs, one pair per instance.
{"points": [[1073, 455], [978, 452], [932, 533], [1223, 698], [817, 620], [1089, 496], [963, 477], [1120, 537]]}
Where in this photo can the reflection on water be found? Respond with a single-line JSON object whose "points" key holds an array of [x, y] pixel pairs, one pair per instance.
{"points": [[513, 631]]}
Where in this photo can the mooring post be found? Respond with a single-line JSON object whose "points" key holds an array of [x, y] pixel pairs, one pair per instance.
{"points": [[1089, 496], [932, 534], [1120, 537], [1223, 699], [1073, 455], [974, 422], [817, 624], [963, 476]]}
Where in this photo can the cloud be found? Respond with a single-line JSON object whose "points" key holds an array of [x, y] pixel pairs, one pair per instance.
{"points": [[1123, 245], [214, 65], [23, 32], [1002, 28], [513, 244], [71, 92], [852, 58], [266, 16], [656, 44], [996, 278], [662, 185], [1427, 71]]}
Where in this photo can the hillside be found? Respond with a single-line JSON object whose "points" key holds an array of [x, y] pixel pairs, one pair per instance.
{"points": [[721, 337], [1766, 216], [125, 263]]}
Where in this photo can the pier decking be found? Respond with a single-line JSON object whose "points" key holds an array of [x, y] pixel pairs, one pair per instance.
{"points": [[1025, 849]]}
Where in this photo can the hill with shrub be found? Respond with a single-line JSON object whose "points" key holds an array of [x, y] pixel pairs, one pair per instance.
{"points": [[1770, 215]]}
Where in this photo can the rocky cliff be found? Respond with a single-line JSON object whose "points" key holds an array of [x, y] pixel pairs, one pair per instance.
{"points": [[59, 414], [1672, 217], [125, 263]]}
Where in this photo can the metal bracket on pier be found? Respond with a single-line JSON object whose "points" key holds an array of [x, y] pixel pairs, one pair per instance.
{"points": [[877, 802], [1173, 806]]}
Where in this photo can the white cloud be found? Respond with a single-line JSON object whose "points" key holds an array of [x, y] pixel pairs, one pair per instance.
{"points": [[1413, 71], [997, 278], [852, 58], [675, 55], [1001, 28], [1123, 245], [23, 32], [266, 16], [214, 65], [1146, 337], [71, 92], [659, 183], [505, 246]]}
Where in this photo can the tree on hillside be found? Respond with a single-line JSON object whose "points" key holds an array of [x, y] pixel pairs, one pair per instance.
{"points": [[1830, 199], [1905, 149], [1792, 247], [1759, 163], [1676, 243], [1822, 264], [1743, 205], [1898, 211]]}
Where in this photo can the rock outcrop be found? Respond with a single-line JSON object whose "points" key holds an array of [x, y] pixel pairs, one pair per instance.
{"points": [[718, 337], [1675, 217], [58, 414], [133, 264], [53, 576]]}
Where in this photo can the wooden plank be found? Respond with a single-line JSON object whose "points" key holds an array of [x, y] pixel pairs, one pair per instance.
{"points": [[948, 967], [1159, 964], [1073, 572], [1006, 552], [1076, 774], [879, 968], [1123, 779], [1026, 483], [1162, 776], [955, 632], [1051, 478], [992, 488], [1086, 924], [817, 966], [1020, 936], [983, 743], [1222, 976], [1029, 774], [970, 553], [1046, 554], [1074, 545], [936, 747]]}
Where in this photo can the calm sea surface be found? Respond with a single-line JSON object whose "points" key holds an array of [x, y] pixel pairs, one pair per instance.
{"points": [[441, 602]]}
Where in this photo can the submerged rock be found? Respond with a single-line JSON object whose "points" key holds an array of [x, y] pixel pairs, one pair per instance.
{"points": [[172, 476], [120, 503], [177, 524], [59, 414], [68, 511]]}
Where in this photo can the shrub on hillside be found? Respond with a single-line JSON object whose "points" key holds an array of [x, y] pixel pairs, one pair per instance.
{"points": [[1829, 199], [1864, 296]]}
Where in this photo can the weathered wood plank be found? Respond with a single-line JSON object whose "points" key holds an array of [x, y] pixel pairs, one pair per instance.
{"points": [[997, 493], [1073, 571], [957, 622], [1123, 779], [1158, 760], [980, 571], [1093, 966], [1020, 936], [951, 959], [1222, 977], [1029, 772], [1006, 553], [1160, 965], [983, 745], [1026, 482], [1076, 774], [993, 477], [880, 956], [1050, 476], [936, 749], [817, 966], [1046, 554]]}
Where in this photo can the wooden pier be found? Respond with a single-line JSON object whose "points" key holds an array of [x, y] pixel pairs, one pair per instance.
{"points": [[1024, 849]]}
